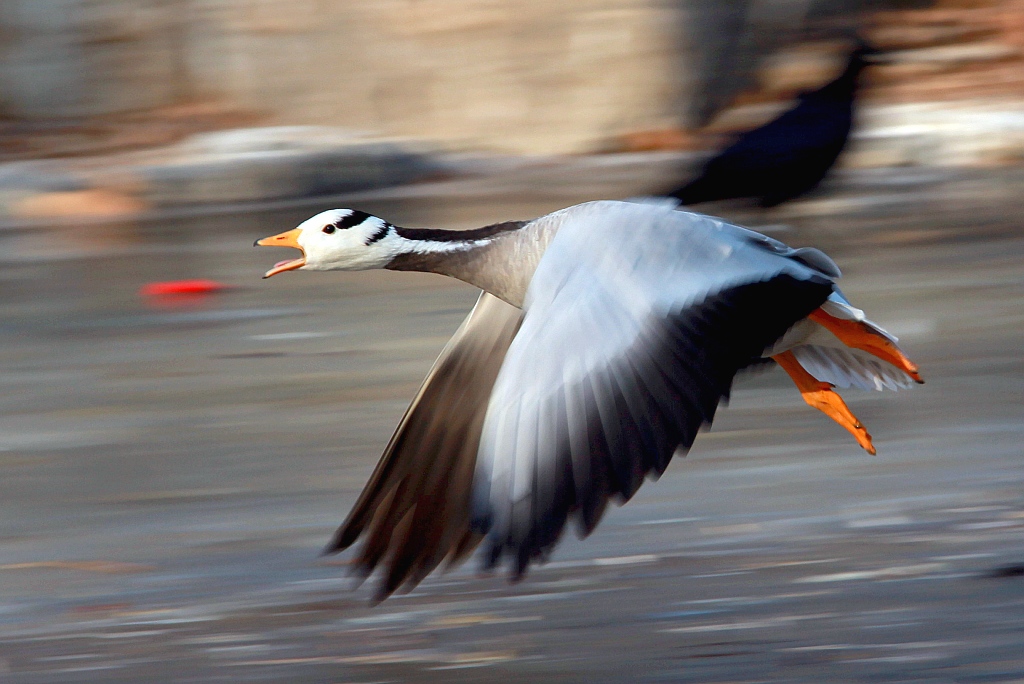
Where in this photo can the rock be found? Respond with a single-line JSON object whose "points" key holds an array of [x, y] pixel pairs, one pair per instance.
{"points": [[97, 203], [956, 55], [938, 134], [261, 164], [655, 140]]}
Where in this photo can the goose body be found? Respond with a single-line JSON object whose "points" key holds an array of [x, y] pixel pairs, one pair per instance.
{"points": [[606, 335]]}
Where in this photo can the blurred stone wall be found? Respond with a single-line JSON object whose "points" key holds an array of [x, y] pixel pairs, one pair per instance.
{"points": [[514, 74], [67, 59], [511, 75], [42, 70]]}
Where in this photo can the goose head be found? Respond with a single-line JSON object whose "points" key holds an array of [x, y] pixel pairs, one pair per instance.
{"points": [[335, 240]]}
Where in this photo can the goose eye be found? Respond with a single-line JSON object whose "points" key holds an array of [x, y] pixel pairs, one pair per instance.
{"points": [[328, 229]]}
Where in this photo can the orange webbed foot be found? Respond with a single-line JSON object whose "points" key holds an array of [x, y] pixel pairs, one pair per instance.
{"points": [[821, 396]]}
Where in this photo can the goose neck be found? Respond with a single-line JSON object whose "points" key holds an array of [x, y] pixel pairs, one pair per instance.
{"points": [[472, 256]]}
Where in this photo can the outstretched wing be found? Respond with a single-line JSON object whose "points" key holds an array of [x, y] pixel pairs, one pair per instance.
{"points": [[637, 319], [414, 511]]}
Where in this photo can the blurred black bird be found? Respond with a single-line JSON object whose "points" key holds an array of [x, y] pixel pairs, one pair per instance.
{"points": [[789, 155]]}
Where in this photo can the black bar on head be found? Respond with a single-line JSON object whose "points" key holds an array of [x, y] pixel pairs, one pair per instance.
{"points": [[353, 219]]}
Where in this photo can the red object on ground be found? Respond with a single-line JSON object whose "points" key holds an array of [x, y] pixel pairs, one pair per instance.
{"points": [[182, 287]]}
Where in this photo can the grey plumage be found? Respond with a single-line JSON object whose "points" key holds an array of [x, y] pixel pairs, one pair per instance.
{"points": [[606, 337], [637, 319], [414, 510]]}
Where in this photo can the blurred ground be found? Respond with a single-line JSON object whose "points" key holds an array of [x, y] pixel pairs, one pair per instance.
{"points": [[171, 469]]}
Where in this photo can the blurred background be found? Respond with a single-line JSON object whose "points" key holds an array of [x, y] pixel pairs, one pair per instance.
{"points": [[100, 76], [178, 439]]}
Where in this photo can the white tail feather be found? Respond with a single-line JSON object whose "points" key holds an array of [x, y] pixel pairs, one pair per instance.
{"points": [[846, 367]]}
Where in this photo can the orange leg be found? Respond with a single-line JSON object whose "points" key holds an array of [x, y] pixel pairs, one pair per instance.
{"points": [[860, 336], [820, 395]]}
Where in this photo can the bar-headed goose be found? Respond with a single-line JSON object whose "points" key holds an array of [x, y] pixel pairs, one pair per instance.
{"points": [[606, 336]]}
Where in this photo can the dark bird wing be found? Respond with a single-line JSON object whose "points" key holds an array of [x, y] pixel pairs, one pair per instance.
{"points": [[782, 160], [637, 319], [787, 156], [414, 512]]}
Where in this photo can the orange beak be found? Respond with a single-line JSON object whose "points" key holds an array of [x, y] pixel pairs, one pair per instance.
{"points": [[287, 239]]}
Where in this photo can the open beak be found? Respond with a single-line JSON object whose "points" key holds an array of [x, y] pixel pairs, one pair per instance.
{"points": [[287, 239]]}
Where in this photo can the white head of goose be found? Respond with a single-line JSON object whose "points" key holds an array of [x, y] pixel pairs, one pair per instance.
{"points": [[335, 240], [606, 336]]}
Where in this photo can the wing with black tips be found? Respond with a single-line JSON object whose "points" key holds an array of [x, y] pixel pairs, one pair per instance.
{"points": [[414, 512]]}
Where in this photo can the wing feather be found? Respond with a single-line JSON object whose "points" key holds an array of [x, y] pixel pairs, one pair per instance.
{"points": [[630, 340], [415, 510]]}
